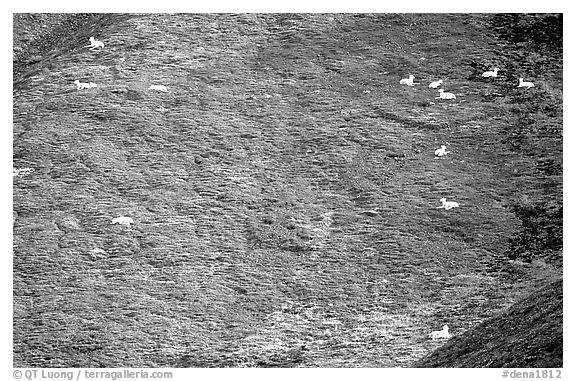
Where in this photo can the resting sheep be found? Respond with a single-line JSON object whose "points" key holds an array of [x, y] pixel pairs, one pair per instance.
{"points": [[525, 84], [83, 85], [444, 95], [435, 85], [441, 151], [488, 74], [444, 334], [408, 81], [447, 204], [126, 221], [95, 44], [158, 88]]}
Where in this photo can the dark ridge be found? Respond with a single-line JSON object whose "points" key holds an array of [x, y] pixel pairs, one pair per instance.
{"points": [[527, 335]]}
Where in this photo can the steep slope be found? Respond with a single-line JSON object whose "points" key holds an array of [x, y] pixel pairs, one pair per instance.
{"points": [[528, 335], [284, 190]]}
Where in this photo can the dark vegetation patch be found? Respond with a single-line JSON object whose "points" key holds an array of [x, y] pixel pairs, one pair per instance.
{"points": [[536, 131], [538, 31], [284, 190]]}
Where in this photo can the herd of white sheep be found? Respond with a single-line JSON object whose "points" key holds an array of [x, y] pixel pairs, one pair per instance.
{"points": [[450, 96], [440, 152], [95, 44]]}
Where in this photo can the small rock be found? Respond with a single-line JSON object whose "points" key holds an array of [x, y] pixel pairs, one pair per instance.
{"points": [[97, 253], [68, 223], [34, 59]]}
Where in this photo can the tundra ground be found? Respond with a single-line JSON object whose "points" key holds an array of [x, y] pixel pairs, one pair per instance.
{"points": [[283, 190]]}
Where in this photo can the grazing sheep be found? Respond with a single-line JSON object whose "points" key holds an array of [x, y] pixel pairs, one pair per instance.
{"points": [[83, 85], [488, 74], [408, 81], [95, 44], [444, 334], [126, 221], [158, 88], [525, 84], [435, 85], [441, 151], [447, 204], [444, 95]]}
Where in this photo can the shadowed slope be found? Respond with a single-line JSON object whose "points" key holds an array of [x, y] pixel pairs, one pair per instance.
{"points": [[528, 335]]}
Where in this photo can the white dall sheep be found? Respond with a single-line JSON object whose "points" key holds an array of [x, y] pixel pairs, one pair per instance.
{"points": [[444, 334], [441, 151], [408, 81], [525, 84], [83, 85], [126, 221], [447, 204], [162, 88], [444, 95], [95, 44], [435, 85], [488, 74]]}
